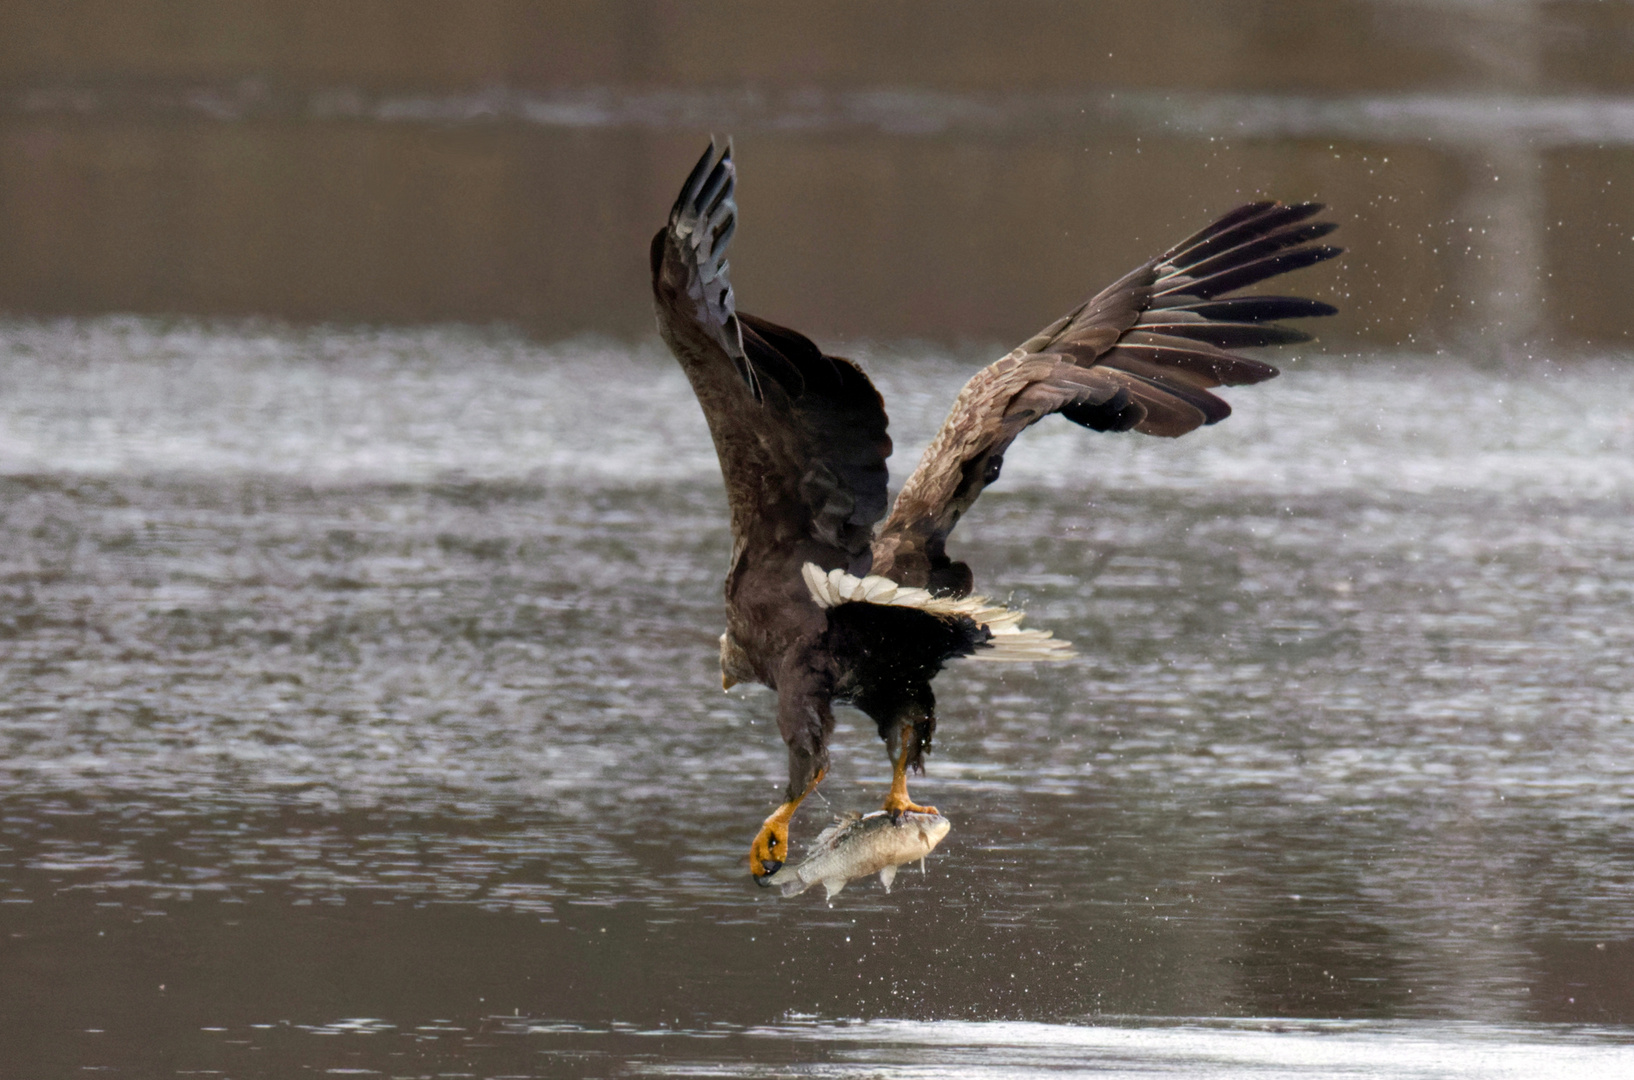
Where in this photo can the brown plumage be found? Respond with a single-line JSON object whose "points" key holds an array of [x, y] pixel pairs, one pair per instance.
{"points": [[823, 606]]}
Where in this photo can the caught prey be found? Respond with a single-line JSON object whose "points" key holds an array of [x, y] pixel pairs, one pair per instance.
{"points": [[836, 594], [858, 845]]}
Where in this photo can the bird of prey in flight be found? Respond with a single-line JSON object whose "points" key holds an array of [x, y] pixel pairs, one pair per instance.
{"points": [[829, 598]]}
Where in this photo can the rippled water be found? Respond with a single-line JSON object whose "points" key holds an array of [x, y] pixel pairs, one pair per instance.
{"points": [[371, 675]]}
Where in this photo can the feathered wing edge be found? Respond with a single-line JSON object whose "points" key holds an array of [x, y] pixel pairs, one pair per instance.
{"points": [[1141, 354], [701, 224], [1009, 643], [1164, 332], [811, 431]]}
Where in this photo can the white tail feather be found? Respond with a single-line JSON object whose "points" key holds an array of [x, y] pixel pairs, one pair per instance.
{"points": [[1008, 643]]}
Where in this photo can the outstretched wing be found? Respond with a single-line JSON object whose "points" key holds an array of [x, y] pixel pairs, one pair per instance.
{"points": [[801, 436], [1142, 354]]}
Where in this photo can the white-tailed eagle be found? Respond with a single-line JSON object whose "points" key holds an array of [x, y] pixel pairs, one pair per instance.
{"points": [[826, 602]]}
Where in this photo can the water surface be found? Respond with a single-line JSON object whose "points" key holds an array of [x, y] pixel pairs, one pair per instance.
{"points": [[359, 710]]}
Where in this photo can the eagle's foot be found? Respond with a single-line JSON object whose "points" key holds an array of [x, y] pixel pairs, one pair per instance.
{"points": [[898, 803], [771, 845], [770, 849]]}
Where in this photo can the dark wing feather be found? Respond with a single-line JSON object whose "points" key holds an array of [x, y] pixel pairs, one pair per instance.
{"points": [[843, 443], [691, 285], [1141, 354], [801, 436], [1241, 275]]}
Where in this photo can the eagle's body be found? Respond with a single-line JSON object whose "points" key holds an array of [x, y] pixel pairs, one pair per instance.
{"points": [[826, 603]]}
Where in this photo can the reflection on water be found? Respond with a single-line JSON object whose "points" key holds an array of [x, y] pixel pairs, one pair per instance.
{"points": [[1114, 1047], [1464, 119], [356, 674], [1268, 1050]]}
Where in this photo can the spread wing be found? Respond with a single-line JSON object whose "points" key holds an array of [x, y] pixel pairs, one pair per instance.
{"points": [[1142, 354], [801, 436]]}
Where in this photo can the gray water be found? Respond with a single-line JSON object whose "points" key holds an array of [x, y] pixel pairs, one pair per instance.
{"points": [[359, 711]]}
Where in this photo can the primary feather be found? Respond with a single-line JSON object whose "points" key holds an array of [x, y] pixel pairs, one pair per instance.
{"points": [[1142, 354]]}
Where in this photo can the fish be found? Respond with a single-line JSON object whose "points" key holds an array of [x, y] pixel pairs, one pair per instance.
{"points": [[857, 845]]}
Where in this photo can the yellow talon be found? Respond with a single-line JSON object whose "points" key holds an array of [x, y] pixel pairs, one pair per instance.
{"points": [[770, 849], [766, 854], [897, 802], [901, 804]]}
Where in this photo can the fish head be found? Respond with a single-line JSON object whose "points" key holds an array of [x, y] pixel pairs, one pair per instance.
{"points": [[933, 827]]}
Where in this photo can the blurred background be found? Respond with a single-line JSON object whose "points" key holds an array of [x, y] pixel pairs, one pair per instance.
{"points": [[937, 170]]}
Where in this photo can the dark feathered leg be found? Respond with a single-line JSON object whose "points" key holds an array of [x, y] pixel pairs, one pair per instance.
{"points": [[805, 722]]}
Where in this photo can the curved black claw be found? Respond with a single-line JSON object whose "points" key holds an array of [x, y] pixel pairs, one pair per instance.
{"points": [[771, 866]]}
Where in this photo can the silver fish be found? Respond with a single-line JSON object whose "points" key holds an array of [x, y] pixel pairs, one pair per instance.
{"points": [[861, 844]]}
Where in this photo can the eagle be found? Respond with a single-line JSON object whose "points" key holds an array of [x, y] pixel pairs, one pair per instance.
{"points": [[829, 598]]}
